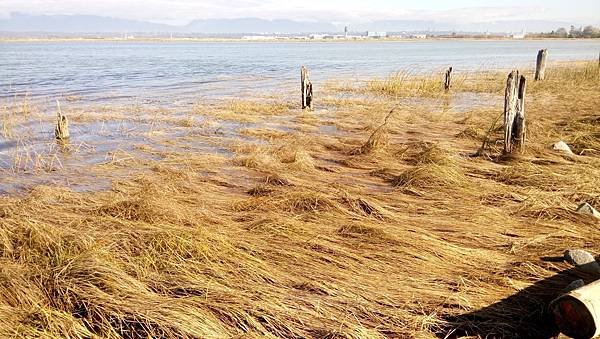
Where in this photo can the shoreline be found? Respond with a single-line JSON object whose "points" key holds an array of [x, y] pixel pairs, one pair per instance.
{"points": [[290, 40], [285, 87]]}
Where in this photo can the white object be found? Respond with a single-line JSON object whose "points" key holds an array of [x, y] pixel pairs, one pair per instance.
{"points": [[588, 209], [563, 147]]}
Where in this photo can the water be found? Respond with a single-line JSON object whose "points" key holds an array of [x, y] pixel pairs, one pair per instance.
{"points": [[176, 74], [172, 73]]}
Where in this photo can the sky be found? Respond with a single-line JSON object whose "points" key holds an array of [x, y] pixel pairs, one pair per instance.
{"points": [[180, 12]]}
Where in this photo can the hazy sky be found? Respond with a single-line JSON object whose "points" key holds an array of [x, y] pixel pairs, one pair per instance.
{"points": [[183, 11]]}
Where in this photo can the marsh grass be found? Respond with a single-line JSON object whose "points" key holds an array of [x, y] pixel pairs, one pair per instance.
{"points": [[257, 107], [298, 234], [8, 125], [573, 77], [377, 139], [244, 110], [406, 84], [14, 112], [30, 158], [263, 133]]}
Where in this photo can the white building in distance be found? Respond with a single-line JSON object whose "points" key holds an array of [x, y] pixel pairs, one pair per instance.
{"points": [[519, 35], [377, 34]]}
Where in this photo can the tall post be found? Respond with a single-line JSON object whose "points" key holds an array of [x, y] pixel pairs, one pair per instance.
{"points": [[448, 79], [540, 67], [307, 90], [514, 112], [519, 124], [61, 132]]}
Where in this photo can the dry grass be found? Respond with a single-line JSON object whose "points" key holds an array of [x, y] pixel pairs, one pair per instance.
{"points": [[263, 133], [13, 112], [406, 84], [245, 110], [301, 235]]}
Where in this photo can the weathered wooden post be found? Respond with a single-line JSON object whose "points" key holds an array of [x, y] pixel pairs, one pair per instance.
{"points": [[307, 90], [540, 67], [577, 314], [62, 125], [519, 133], [514, 112], [448, 79], [510, 103]]}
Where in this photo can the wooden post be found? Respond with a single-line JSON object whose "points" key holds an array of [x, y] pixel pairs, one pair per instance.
{"points": [[519, 124], [62, 125], [540, 67], [448, 79], [577, 314], [307, 91], [514, 112]]}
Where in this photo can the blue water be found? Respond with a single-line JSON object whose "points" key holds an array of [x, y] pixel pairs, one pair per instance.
{"points": [[176, 72]]}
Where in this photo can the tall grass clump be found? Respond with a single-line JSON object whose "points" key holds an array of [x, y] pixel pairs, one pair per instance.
{"points": [[406, 84], [587, 72], [433, 167], [377, 139]]}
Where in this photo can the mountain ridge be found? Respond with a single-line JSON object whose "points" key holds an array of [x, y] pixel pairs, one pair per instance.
{"points": [[19, 22]]}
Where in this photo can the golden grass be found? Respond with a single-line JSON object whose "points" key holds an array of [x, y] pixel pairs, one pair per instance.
{"points": [[406, 84], [13, 112], [390, 229], [263, 133], [244, 110]]}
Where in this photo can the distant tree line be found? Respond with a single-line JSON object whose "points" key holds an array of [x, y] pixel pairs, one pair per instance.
{"points": [[581, 32]]}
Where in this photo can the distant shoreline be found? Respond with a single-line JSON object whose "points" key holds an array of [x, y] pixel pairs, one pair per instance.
{"points": [[267, 40]]}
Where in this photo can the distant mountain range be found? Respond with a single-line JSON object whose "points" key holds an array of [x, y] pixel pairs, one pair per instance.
{"points": [[97, 24], [19, 22], [254, 25], [76, 24]]}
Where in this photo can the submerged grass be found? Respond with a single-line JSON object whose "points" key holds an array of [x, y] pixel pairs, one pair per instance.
{"points": [[389, 228]]}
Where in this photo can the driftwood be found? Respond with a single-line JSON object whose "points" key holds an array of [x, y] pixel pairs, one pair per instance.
{"points": [[448, 79], [577, 313], [307, 90], [540, 67], [514, 113], [62, 125]]}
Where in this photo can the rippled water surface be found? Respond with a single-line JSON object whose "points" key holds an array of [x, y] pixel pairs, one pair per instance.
{"points": [[180, 73]]}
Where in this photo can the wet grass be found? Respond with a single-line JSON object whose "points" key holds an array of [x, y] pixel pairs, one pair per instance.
{"points": [[389, 228]]}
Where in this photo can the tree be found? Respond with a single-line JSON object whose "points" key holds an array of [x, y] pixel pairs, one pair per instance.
{"points": [[590, 31], [574, 32], [562, 33]]}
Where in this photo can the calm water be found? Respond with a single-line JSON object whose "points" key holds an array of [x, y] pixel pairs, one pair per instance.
{"points": [[181, 73]]}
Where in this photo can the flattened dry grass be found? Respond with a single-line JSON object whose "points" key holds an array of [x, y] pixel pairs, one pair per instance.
{"points": [[301, 236], [244, 110]]}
